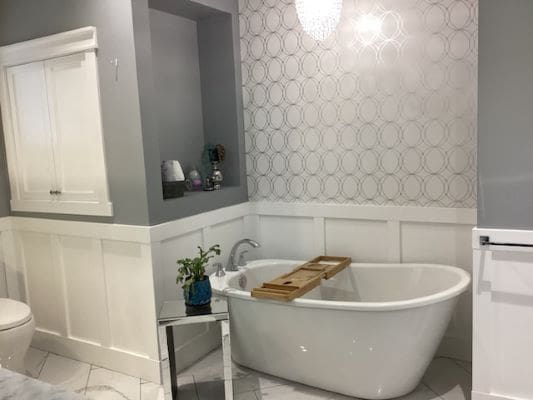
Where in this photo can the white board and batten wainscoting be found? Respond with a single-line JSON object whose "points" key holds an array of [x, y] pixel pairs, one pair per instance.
{"points": [[49, 93], [95, 288], [382, 234], [90, 288]]}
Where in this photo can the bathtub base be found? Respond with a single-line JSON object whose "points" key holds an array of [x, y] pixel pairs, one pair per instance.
{"points": [[361, 354]]}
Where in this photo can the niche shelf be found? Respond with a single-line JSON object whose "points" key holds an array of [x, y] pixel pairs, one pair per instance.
{"points": [[198, 99]]}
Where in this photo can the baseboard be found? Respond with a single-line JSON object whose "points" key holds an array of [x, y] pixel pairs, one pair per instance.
{"points": [[488, 396], [5, 223], [113, 359]]}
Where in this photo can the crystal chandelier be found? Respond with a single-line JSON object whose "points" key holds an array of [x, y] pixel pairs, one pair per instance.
{"points": [[319, 18], [369, 29]]}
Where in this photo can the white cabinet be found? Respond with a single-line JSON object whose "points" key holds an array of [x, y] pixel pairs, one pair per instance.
{"points": [[52, 125], [29, 142], [502, 358]]}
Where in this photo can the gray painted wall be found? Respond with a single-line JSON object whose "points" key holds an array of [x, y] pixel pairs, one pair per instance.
{"points": [[505, 127], [28, 19], [178, 102], [160, 210], [132, 126], [219, 97]]}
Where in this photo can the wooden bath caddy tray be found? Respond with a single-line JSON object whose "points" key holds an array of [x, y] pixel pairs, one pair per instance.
{"points": [[302, 279]]}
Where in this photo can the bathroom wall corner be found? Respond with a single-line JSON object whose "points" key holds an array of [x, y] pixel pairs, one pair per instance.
{"points": [[4, 180]]}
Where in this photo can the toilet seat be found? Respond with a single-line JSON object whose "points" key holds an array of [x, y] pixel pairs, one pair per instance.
{"points": [[13, 313]]}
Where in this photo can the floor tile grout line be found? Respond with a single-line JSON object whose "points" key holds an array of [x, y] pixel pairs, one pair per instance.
{"points": [[195, 387], [92, 367], [87, 381], [431, 390], [42, 366], [456, 362]]}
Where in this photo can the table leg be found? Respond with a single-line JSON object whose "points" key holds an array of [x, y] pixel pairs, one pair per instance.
{"points": [[172, 362], [226, 355], [165, 368]]}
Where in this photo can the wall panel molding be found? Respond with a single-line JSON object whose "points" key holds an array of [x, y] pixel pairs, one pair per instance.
{"points": [[93, 269], [185, 225], [250, 211], [443, 215], [84, 282], [385, 234], [103, 231]]}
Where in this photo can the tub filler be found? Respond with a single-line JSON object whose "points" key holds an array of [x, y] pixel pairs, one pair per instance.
{"points": [[370, 331]]}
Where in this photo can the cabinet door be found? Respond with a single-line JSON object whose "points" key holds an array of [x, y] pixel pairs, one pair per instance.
{"points": [[73, 97], [29, 147]]}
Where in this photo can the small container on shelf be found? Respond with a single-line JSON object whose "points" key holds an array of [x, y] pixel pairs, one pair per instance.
{"points": [[194, 180], [209, 185], [172, 190], [173, 179], [216, 176]]}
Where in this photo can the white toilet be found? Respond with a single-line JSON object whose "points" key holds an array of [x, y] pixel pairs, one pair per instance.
{"points": [[16, 331]]}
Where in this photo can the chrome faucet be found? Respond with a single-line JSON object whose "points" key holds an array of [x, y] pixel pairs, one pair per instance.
{"points": [[232, 264]]}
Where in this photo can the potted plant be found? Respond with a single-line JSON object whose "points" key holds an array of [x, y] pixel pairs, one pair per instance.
{"points": [[194, 281]]}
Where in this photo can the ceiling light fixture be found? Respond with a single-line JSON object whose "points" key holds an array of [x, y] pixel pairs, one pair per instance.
{"points": [[319, 18], [369, 28]]}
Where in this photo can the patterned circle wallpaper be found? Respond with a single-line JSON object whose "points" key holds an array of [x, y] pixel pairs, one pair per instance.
{"points": [[382, 112]]}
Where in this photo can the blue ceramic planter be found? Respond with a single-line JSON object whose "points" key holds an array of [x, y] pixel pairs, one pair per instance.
{"points": [[199, 293]]}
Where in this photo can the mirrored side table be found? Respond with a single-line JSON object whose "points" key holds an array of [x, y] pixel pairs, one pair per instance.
{"points": [[173, 315]]}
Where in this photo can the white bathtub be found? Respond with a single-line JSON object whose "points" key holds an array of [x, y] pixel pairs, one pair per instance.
{"points": [[369, 332]]}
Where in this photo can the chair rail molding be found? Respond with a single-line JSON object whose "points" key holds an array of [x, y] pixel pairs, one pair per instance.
{"points": [[443, 215], [95, 230]]}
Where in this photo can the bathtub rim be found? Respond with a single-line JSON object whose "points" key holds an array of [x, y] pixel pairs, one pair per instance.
{"points": [[221, 287]]}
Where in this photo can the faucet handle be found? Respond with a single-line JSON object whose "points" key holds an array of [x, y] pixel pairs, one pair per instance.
{"points": [[242, 260], [220, 270]]}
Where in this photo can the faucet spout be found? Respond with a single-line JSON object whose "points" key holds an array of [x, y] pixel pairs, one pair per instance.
{"points": [[232, 264]]}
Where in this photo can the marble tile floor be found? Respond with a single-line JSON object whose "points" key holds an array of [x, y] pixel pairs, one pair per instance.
{"points": [[93, 382], [446, 379]]}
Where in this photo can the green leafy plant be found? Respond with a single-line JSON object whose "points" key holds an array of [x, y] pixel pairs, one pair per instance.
{"points": [[193, 270]]}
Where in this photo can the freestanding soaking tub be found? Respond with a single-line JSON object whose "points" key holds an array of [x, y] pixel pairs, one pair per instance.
{"points": [[369, 332]]}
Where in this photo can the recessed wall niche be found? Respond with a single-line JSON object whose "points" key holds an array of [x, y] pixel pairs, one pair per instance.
{"points": [[195, 102]]}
